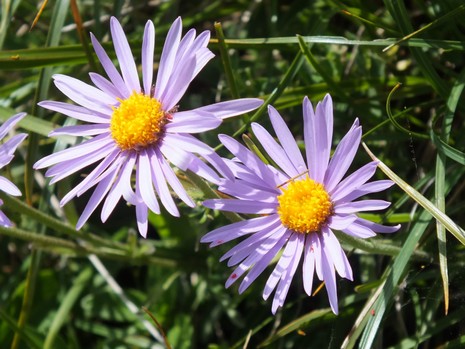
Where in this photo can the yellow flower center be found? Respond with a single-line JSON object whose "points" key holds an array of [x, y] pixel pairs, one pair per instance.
{"points": [[137, 122], [304, 206]]}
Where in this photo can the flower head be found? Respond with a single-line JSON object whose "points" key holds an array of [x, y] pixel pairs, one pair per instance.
{"points": [[298, 205], [133, 126], [6, 155]]}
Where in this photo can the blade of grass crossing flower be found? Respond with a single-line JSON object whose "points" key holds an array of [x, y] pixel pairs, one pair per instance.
{"points": [[66, 305], [451, 105], [401, 17], [449, 224], [393, 278]]}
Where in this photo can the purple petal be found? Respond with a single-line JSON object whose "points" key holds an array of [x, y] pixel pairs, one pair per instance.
{"points": [[317, 250], [274, 150], [217, 162], [167, 59], [241, 206], [287, 141], [329, 278], [90, 179], [180, 79], [354, 181], [318, 136], [235, 107], [187, 143], [363, 205], [242, 172], [192, 122], [148, 47], [141, 216], [76, 112], [264, 261], [66, 168], [359, 231], [110, 68], [249, 159], [10, 123], [97, 196], [203, 170], [4, 221], [120, 187], [334, 252], [378, 228], [159, 182], [368, 188], [84, 94], [340, 222], [256, 242], [80, 130], [9, 147], [185, 46], [8, 187], [286, 279], [124, 54], [282, 265], [241, 190], [308, 267], [178, 157], [105, 85], [342, 158], [88, 147], [173, 181], [235, 230], [144, 182]]}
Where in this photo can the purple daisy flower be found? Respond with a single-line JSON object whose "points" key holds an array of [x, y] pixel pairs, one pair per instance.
{"points": [[299, 205], [6, 155], [137, 127]]}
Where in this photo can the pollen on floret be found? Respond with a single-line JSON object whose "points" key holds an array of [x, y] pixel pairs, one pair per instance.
{"points": [[304, 206], [137, 122]]}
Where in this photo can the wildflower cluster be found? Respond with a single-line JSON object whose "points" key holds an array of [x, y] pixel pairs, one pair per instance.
{"points": [[137, 136]]}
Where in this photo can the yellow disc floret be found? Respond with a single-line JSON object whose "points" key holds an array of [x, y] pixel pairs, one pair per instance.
{"points": [[304, 206], [137, 122]]}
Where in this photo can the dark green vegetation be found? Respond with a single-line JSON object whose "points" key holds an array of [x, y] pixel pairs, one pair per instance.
{"points": [[56, 288]]}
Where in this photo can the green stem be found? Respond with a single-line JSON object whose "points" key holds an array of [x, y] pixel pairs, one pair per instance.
{"points": [[226, 61], [57, 225]]}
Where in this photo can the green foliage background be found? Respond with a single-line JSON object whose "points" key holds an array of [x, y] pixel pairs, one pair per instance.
{"points": [[60, 288]]}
